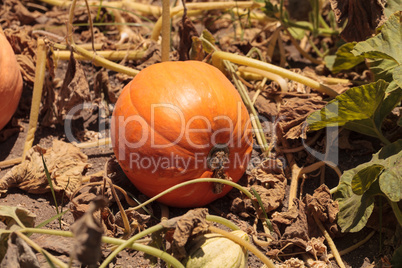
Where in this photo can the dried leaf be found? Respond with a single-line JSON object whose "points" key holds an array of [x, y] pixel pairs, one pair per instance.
{"points": [[186, 32], [363, 17], [15, 10], [19, 254], [265, 107], [137, 220], [316, 247], [12, 215], [294, 113], [269, 181], [189, 225], [24, 47], [271, 197], [292, 262], [61, 245], [103, 89], [88, 234], [293, 229], [74, 91], [65, 162], [196, 51], [323, 207]]}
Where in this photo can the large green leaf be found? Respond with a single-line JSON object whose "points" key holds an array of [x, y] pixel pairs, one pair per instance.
{"points": [[361, 109], [386, 44], [363, 179], [397, 75], [343, 59], [357, 107], [391, 178], [355, 209], [392, 6], [382, 68]]}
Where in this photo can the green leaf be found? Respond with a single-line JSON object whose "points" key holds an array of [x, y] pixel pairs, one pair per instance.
{"points": [[389, 150], [397, 75], [363, 179], [355, 209], [382, 68], [391, 178], [344, 59], [211, 41], [296, 32], [393, 96], [391, 7], [386, 44], [354, 109]]}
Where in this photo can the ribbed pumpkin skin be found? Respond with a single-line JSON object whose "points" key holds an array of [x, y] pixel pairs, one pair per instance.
{"points": [[216, 251], [192, 90], [10, 82]]}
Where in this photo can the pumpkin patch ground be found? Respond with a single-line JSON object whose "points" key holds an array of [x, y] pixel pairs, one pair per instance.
{"points": [[278, 126]]}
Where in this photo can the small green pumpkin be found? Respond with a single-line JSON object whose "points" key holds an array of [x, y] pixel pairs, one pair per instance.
{"points": [[216, 251]]}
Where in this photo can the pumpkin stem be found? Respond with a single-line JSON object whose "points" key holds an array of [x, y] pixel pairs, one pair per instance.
{"points": [[218, 157]]}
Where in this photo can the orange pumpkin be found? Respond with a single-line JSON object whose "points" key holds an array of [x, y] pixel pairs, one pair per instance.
{"points": [[170, 121], [10, 82]]}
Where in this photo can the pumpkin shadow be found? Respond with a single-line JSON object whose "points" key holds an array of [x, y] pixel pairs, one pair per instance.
{"points": [[7, 145]]}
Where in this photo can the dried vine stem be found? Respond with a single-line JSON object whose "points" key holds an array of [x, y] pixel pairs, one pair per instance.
{"points": [[109, 55], [35, 246], [165, 30], [277, 78], [36, 95], [330, 242], [218, 58], [353, 247], [201, 6]]}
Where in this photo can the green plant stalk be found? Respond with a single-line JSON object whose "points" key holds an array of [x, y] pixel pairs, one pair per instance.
{"points": [[129, 242], [259, 132], [379, 134], [49, 180], [244, 244], [315, 48], [41, 250], [323, 23], [267, 221], [219, 56], [302, 51], [277, 78], [315, 16], [201, 6], [230, 183], [110, 240], [309, 27], [36, 95], [165, 30], [42, 224], [222, 221]]}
